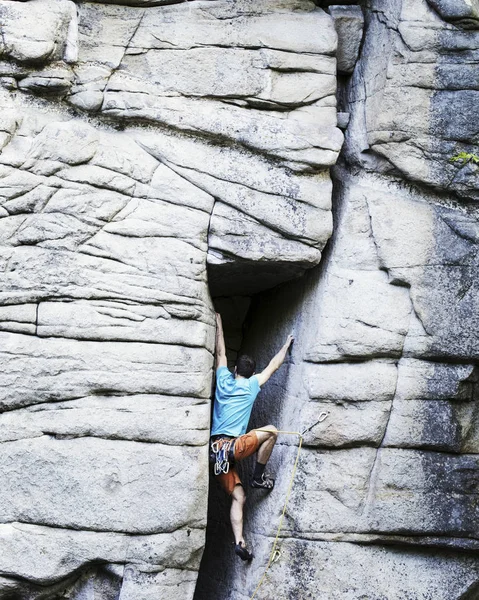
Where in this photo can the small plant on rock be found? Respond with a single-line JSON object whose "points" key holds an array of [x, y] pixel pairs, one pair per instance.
{"points": [[465, 158]]}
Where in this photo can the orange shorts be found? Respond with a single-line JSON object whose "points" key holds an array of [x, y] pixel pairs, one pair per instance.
{"points": [[245, 445]]}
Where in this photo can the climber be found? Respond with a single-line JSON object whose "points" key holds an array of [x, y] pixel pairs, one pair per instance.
{"points": [[234, 398]]}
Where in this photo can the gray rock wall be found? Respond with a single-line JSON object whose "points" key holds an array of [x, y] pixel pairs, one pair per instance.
{"points": [[155, 154], [140, 143], [384, 504]]}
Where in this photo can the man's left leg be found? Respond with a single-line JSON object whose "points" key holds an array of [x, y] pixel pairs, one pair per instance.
{"points": [[231, 483], [238, 498]]}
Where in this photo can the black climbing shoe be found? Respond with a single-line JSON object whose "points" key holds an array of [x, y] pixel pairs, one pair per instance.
{"points": [[265, 483], [243, 553]]}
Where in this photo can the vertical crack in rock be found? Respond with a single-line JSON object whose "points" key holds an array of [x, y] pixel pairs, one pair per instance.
{"points": [[125, 51], [36, 317], [372, 476]]}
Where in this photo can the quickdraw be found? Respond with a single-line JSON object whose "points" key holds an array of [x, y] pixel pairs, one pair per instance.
{"points": [[222, 455]]}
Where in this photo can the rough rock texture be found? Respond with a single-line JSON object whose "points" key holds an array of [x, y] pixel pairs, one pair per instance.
{"points": [[140, 144], [159, 159], [385, 502]]}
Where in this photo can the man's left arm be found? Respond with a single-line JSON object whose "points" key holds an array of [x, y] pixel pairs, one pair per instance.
{"points": [[221, 360]]}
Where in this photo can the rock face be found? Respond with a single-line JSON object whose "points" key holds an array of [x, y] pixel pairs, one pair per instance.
{"points": [[384, 504], [140, 144], [161, 159]]}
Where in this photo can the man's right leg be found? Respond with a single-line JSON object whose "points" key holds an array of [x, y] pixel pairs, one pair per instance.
{"points": [[267, 437], [261, 441]]}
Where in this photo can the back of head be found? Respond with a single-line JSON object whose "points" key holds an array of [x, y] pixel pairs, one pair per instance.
{"points": [[245, 366]]}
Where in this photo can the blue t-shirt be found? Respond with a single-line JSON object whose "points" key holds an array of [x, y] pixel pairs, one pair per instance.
{"points": [[234, 400]]}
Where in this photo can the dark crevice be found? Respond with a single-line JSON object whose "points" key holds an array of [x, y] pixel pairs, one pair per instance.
{"points": [[240, 320], [244, 334]]}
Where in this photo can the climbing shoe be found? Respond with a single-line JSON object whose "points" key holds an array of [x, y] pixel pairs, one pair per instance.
{"points": [[243, 553], [265, 483]]}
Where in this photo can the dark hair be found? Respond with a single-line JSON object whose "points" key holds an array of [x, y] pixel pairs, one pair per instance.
{"points": [[245, 365]]}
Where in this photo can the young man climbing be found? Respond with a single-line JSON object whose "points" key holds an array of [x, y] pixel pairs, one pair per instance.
{"points": [[234, 399]]}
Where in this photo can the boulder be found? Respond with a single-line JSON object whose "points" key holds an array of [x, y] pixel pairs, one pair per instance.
{"points": [[39, 31]]}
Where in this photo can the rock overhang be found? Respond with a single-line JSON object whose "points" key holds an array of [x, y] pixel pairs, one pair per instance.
{"points": [[241, 105]]}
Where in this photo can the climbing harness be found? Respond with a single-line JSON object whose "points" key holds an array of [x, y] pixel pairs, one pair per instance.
{"points": [[275, 552], [222, 454]]}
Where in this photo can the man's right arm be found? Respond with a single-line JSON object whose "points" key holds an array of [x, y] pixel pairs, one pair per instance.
{"points": [[275, 362], [221, 360]]}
